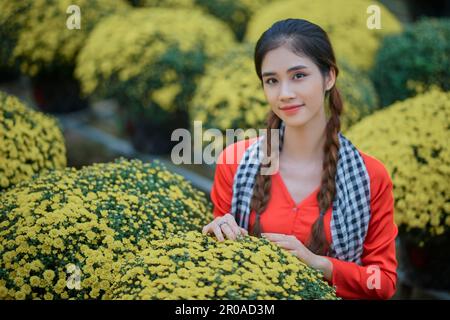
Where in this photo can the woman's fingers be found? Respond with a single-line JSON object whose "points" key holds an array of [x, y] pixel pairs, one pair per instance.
{"points": [[233, 225], [213, 228], [284, 244], [274, 236], [218, 232], [207, 229], [244, 232], [226, 228], [225, 225]]}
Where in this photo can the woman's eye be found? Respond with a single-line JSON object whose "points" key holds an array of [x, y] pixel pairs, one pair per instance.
{"points": [[297, 76]]}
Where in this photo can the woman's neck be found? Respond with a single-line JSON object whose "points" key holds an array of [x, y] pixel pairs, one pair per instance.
{"points": [[305, 143]]}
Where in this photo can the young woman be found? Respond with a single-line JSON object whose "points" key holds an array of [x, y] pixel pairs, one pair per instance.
{"points": [[328, 203]]}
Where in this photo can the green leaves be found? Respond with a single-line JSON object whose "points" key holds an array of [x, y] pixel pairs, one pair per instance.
{"points": [[412, 62]]}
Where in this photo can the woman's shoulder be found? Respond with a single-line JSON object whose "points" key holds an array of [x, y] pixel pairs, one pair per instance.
{"points": [[233, 153], [228, 162], [378, 174]]}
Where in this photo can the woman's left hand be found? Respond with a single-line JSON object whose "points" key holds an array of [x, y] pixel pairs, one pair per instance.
{"points": [[291, 244], [298, 249]]}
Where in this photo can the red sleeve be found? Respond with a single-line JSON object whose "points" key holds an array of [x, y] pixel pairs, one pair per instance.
{"points": [[222, 189], [226, 166], [377, 277]]}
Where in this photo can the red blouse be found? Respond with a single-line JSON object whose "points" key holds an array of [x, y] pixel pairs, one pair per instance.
{"points": [[377, 277]]}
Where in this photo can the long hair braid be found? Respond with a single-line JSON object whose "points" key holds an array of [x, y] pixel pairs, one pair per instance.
{"points": [[317, 242], [263, 183]]}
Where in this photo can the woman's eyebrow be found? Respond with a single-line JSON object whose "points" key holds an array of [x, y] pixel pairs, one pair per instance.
{"points": [[271, 73]]}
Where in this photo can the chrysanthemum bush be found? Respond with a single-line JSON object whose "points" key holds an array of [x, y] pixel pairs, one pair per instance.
{"points": [[247, 107], [234, 73], [90, 218], [235, 13], [42, 39], [129, 230], [345, 23], [358, 94], [411, 138], [194, 266], [30, 142], [168, 49], [10, 23], [413, 61], [174, 4], [164, 3]]}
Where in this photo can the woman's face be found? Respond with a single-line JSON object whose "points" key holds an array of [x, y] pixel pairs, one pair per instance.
{"points": [[294, 86]]}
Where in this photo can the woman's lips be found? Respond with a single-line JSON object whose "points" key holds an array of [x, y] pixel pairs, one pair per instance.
{"points": [[292, 109]]}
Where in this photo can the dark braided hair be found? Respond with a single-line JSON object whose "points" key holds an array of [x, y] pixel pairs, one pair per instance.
{"points": [[310, 40]]}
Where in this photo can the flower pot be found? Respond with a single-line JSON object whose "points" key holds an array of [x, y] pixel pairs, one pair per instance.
{"points": [[153, 136], [57, 92]]}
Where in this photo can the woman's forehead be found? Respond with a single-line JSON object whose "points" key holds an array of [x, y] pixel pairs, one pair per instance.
{"points": [[283, 60]]}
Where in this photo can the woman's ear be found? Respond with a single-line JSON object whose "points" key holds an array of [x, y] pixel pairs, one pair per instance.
{"points": [[330, 79]]}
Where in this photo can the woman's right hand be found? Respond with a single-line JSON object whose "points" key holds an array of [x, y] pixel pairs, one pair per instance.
{"points": [[225, 225]]}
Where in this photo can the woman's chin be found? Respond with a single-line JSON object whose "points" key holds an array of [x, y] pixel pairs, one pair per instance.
{"points": [[294, 121]]}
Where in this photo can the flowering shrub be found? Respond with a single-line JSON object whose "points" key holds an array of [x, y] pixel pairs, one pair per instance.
{"points": [[412, 62], [358, 94], [247, 107], [91, 219], [164, 3], [30, 142], [168, 49], [235, 13], [230, 95], [345, 23], [411, 138], [123, 230], [193, 266], [42, 39], [10, 23]]}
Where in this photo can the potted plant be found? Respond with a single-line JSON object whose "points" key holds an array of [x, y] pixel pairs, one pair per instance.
{"points": [[65, 233], [45, 48], [31, 142], [150, 60]]}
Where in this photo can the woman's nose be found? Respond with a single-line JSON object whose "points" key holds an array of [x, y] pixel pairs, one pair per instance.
{"points": [[286, 91]]}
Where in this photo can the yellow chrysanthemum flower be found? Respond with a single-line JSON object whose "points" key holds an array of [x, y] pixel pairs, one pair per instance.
{"points": [[30, 142]]}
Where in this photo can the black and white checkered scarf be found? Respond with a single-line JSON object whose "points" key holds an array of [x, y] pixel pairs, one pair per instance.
{"points": [[351, 204]]}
